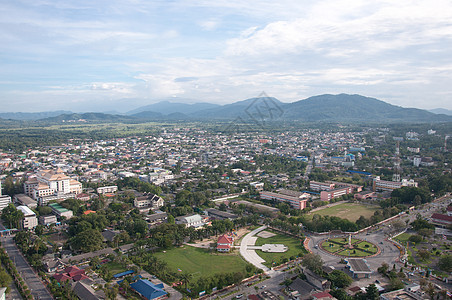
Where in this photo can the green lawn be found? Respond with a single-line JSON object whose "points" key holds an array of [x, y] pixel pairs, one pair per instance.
{"points": [[114, 267], [295, 248], [198, 261], [403, 238], [331, 247], [353, 253], [349, 211], [371, 247]]}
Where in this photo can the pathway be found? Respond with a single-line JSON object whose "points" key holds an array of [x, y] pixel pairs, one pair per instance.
{"points": [[250, 255]]}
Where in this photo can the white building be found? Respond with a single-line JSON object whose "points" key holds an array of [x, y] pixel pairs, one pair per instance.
{"points": [[51, 183], [4, 200], [383, 185], [107, 189], [190, 221], [30, 221], [149, 201]]}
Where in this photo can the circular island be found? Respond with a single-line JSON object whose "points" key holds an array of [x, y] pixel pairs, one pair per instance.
{"points": [[349, 247]]}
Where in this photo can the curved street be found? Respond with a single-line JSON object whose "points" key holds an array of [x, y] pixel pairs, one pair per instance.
{"points": [[250, 255]]}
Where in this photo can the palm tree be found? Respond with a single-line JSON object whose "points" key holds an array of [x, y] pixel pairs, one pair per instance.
{"points": [[186, 277]]}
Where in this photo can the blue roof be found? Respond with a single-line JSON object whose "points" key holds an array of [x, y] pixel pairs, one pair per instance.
{"points": [[123, 274], [359, 172], [147, 289]]}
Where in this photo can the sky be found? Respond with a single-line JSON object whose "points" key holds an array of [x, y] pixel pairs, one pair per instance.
{"points": [[108, 55]]}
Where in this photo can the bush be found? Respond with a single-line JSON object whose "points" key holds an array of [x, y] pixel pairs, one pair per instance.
{"points": [[415, 238]]}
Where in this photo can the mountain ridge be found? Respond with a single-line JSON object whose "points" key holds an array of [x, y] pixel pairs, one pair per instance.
{"points": [[348, 108]]}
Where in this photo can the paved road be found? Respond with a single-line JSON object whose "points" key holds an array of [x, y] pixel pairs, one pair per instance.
{"points": [[272, 284], [38, 290], [251, 255], [389, 252]]}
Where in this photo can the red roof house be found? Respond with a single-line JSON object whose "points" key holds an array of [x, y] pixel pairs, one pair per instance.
{"points": [[224, 243]]}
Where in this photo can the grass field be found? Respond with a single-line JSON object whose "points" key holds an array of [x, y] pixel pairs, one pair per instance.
{"points": [[295, 248], [349, 211], [403, 238], [199, 262], [114, 267], [340, 249]]}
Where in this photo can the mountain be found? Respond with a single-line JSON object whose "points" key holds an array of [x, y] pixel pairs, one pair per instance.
{"points": [[32, 116], [245, 109], [355, 108], [87, 117], [166, 108], [147, 115], [441, 111]]}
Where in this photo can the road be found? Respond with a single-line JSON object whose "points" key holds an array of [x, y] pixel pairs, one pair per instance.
{"points": [[251, 255], [38, 289]]}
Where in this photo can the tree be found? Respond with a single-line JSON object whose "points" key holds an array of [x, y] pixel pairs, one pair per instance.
{"points": [[340, 279], [415, 238], [425, 232], [87, 241], [396, 284], [5, 279], [186, 277], [313, 262], [445, 262], [383, 269], [424, 254], [372, 292]]}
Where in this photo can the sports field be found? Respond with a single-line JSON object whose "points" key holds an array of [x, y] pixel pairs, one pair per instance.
{"points": [[199, 261], [349, 211]]}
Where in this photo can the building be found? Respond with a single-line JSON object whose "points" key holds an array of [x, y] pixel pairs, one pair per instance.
{"points": [[225, 243], [48, 220], [157, 218], [151, 201], [5, 200], [257, 185], [190, 221], [83, 289], [441, 219], [321, 186], [30, 221], [60, 211], [2, 293], [296, 200], [383, 185], [356, 187], [335, 193], [322, 296], [366, 195], [107, 189], [263, 209], [220, 215], [401, 294], [359, 268], [51, 183], [23, 199], [149, 290]]}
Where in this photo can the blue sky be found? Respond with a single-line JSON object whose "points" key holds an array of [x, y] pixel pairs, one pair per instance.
{"points": [[119, 55]]}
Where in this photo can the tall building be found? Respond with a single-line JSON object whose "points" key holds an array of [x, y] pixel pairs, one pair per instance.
{"points": [[30, 221], [49, 185], [4, 199]]}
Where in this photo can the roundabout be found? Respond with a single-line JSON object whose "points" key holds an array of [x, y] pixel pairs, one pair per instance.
{"points": [[349, 247]]}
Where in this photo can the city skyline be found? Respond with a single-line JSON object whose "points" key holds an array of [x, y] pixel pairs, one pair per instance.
{"points": [[101, 56]]}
